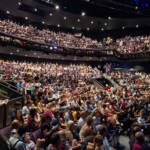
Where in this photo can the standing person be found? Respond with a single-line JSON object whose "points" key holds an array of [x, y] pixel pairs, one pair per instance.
{"points": [[139, 143], [16, 139]]}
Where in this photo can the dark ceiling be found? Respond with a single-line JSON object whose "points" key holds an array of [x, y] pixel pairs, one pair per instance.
{"points": [[100, 15]]}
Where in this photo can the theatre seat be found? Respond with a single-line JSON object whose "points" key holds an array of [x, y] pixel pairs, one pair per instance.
{"points": [[6, 131]]}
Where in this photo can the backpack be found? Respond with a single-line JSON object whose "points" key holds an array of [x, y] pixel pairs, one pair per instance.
{"points": [[12, 147]]}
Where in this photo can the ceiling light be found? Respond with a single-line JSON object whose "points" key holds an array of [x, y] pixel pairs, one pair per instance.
{"points": [[26, 18], [137, 26], [35, 9], [83, 14], [92, 22], [43, 22], [7, 12], [65, 18], [109, 18], [19, 3], [78, 20], [51, 14], [57, 7], [87, 29], [102, 29], [123, 27], [73, 28], [105, 23], [58, 25]]}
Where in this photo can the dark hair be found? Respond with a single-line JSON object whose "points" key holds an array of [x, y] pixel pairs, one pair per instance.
{"points": [[55, 139], [32, 112], [44, 118], [102, 130]]}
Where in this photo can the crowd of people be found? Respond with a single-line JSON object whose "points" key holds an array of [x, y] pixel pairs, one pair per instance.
{"points": [[131, 45], [125, 45], [74, 114], [47, 36]]}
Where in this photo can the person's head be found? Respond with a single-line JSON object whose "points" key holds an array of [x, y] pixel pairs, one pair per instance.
{"points": [[70, 125], [55, 139], [27, 137], [98, 140], [102, 130], [89, 120], [46, 119], [15, 124], [139, 136], [18, 105]]}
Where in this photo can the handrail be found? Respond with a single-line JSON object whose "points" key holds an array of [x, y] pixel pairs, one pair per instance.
{"points": [[2, 83]]}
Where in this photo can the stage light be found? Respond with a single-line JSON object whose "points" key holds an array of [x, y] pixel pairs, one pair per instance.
{"points": [[83, 14]]}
